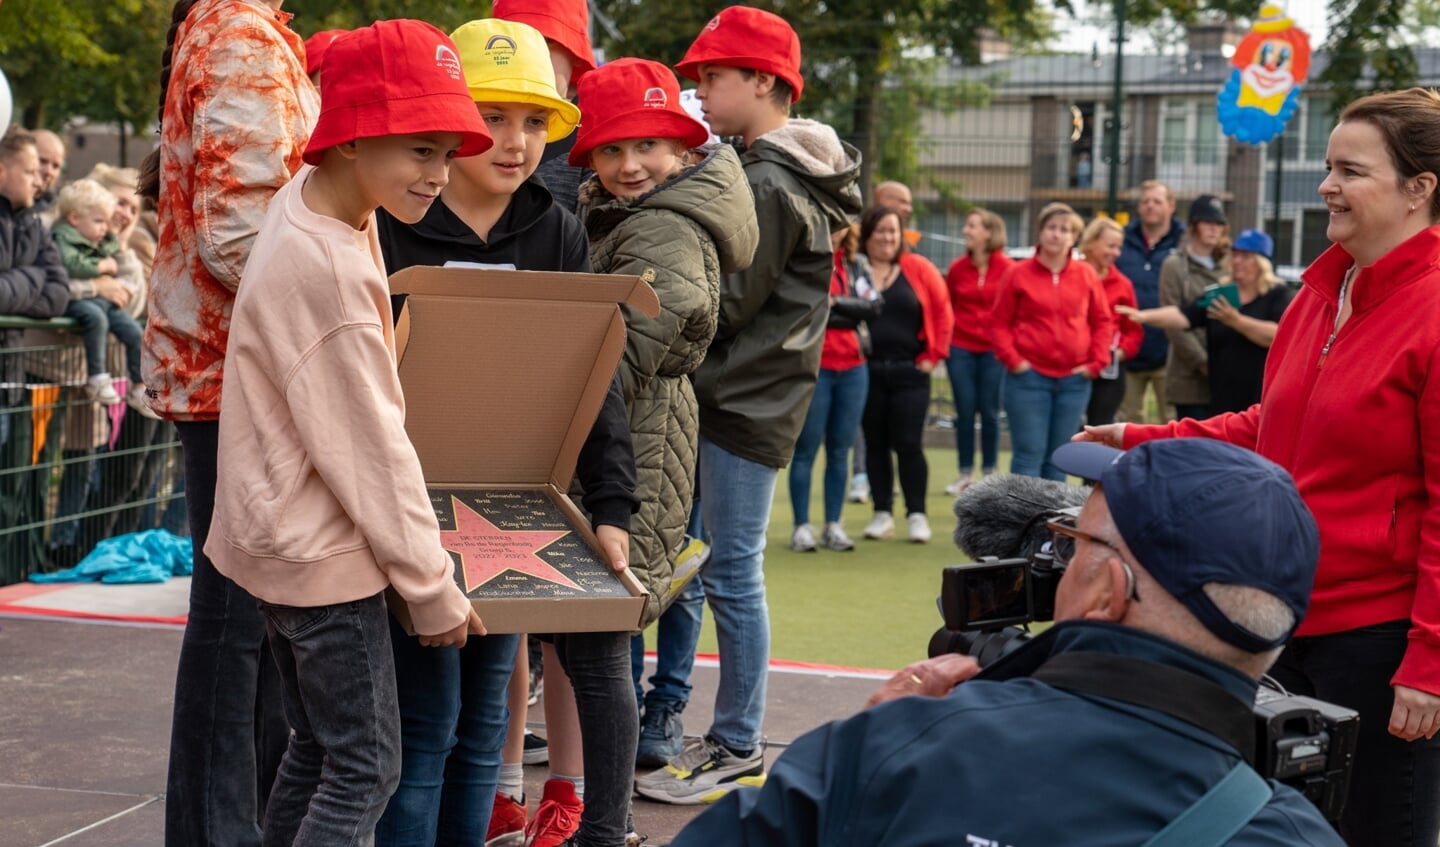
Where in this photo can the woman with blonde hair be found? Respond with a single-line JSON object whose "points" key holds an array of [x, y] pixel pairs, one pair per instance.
{"points": [[975, 374], [1051, 328], [1237, 339], [1100, 244]]}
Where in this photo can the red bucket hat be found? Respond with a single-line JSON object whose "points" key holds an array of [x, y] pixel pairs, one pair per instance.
{"points": [[632, 98], [315, 47], [394, 78], [743, 37], [565, 22]]}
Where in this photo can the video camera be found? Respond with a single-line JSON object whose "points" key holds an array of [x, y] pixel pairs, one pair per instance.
{"points": [[1305, 743]]}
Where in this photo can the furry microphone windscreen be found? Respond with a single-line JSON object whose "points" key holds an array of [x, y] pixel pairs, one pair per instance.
{"points": [[996, 516]]}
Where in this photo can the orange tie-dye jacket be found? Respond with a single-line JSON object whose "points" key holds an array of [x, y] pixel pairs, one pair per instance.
{"points": [[238, 113]]}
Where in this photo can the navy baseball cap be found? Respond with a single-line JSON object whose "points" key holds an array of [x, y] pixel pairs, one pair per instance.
{"points": [[1196, 510]]}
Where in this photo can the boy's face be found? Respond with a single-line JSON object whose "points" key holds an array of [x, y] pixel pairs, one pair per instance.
{"points": [[519, 130], [727, 98], [403, 174], [634, 166], [92, 224], [20, 177]]}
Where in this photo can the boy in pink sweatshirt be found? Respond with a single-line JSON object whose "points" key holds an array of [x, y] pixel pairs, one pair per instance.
{"points": [[320, 503]]}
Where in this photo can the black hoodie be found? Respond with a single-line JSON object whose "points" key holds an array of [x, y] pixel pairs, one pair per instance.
{"points": [[534, 234]]}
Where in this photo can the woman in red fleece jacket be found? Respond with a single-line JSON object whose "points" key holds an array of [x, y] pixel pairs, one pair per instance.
{"points": [[975, 374], [1100, 244], [1351, 407], [911, 335], [1051, 328]]}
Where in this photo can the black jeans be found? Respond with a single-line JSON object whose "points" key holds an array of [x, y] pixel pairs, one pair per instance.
{"points": [[1394, 798], [598, 664], [1106, 395], [343, 762], [894, 419], [1191, 410], [229, 730]]}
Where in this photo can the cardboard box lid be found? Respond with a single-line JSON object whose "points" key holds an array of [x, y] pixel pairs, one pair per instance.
{"points": [[504, 372]]}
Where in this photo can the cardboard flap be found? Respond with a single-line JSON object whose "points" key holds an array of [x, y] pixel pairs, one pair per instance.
{"points": [[505, 372], [525, 285]]}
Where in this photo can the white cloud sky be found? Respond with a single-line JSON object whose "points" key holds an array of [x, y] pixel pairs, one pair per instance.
{"points": [[1309, 15]]}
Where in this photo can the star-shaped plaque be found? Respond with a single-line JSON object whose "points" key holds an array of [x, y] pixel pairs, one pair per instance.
{"points": [[486, 551]]}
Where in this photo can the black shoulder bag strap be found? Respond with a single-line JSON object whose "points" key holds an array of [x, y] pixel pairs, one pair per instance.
{"points": [[1224, 810]]}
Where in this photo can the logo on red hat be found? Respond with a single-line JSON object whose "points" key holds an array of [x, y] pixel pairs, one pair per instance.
{"points": [[501, 49], [656, 98], [447, 61], [713, 25]]}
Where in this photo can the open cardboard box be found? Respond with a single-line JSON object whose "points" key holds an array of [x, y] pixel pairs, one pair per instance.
{"points": [[504, 373]]}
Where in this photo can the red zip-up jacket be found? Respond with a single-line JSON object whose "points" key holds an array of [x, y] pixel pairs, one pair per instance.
{"points": [[1127, 334], [971, 295], [938, 320], [1055, 321], [841, 350], [1356, 421]]}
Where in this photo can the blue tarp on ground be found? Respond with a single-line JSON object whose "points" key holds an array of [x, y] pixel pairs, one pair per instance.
{"points": [[150, 556]]}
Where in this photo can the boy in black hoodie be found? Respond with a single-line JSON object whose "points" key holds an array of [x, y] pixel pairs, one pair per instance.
{"points": [[493, 211], [755, 385]]}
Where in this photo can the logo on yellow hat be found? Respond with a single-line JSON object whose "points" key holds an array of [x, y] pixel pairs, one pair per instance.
{"points": [[447, 61], [500, 49]]}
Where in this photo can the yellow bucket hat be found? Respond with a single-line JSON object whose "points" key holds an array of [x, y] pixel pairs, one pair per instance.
{"points": [[509, 62]]}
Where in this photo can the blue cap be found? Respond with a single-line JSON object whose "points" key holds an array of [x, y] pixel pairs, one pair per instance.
{"points": [[1254, 241], [1196, 510]]}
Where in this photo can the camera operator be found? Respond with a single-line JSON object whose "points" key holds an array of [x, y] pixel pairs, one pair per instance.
{"points": [[1188, 567]]}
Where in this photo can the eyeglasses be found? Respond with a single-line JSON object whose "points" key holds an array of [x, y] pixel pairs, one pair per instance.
{"points": [[1063, 535]]}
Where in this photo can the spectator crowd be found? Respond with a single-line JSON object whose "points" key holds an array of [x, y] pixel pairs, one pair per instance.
{"points": [[232, 294]]}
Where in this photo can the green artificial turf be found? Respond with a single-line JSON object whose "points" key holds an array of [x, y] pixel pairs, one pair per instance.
{"points": [[873, 607]]}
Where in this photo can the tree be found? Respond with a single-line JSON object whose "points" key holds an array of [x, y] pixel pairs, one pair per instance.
{"points": [[39, 39], [1368, 32], [869, 66]]}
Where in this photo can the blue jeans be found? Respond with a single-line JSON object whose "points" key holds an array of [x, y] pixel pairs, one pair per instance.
{"points": [[343, 761], [452, 730], [229, 730], [99, 318], [736, 509], [676, 634], [1395, 784], [975, 382], [835, 411], [1043, 412]]}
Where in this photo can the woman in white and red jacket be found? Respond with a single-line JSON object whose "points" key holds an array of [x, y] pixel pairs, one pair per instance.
{"points": [[1351, 408], [975, 374], [1051, 328], [1100, 244], [910, 337]]}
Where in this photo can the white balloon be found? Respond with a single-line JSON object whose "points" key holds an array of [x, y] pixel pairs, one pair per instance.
{"points": [[5, 102]]}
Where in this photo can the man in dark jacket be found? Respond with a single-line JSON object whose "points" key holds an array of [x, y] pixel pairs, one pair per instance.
{"points": [[755, 384], [32, 285], [1034, 750], [1149, 240]]}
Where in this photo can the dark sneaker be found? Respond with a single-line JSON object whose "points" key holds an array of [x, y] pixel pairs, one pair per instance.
{"points": [[537, 749], [706, 771], [662, 733]]}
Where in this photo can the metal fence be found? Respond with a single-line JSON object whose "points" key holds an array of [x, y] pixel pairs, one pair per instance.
{"points": [[74, 472]]}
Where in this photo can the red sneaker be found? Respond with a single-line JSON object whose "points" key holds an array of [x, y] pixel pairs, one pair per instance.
{"points": [[507, 823], [558, 816]]}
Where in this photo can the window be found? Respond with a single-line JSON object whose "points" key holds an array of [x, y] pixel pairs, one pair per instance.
{"points": [[1313, 241], [1207, 137], [1190, 133], [1318, 123], [1173, 132]]}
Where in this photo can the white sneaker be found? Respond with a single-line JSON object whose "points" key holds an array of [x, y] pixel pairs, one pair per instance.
{"points": [[137, 400], [803, 539], [859, 489], [99, 387], [919, 529], [834, 538], [880, 526], [959, 485]]}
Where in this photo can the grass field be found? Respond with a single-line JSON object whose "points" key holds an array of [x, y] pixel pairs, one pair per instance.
{"points": [[873, 607]]}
